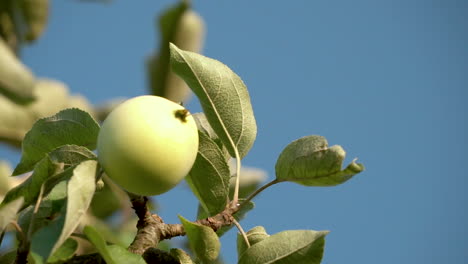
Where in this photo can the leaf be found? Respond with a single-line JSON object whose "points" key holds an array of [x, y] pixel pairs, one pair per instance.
{"points": [[80, 190], [99, 243], [310, 162], [254, 236], [202, 239], [31, 187], [122, 255], [293, 246], [68, 127], [158, 66], [113, 254], [205, 127], [223, 97], [5, 179], [209, 176], [71, 155], [181, 256], [8, 212], [16, 80], [64, 252], [35, 14]]}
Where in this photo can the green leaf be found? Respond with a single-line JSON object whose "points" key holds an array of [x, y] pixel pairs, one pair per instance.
{"points": [[8, 212], [8, 257], [5, 179], [209, 176], [202, 239], [159, 73], [99, 243], [71, 155], [80, 190], [64, 252], [310, 162], [293, 246], [122, 255], [35, 14], [30, 188], [16, 80], [223, 97], [68, 127], [254, 236], [205, 127], [181, 26], [112, 254], [181, 256]]}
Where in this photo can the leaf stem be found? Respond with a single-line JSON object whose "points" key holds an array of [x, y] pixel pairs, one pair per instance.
{"points": [[33, 216], [248, 199], [241, 230], [235, 198]]}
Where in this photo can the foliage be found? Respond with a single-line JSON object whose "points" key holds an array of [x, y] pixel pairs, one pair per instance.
{"points": [[53, 211]]}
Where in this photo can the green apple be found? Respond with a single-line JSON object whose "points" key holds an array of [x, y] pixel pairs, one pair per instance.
{"points": [[148, 144]]}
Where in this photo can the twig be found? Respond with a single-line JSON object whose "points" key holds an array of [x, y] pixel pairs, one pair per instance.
{"points": [[248, 199]]}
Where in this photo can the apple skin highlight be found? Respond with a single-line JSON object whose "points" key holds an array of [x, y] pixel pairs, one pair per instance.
{"points": [[146, 147]]}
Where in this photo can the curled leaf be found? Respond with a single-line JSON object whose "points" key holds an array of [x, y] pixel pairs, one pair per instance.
{"points": [[310, 162], [202, 239], [292, 246], [254, 236]]}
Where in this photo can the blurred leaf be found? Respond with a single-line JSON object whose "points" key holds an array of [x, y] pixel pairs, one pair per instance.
{"points": [[238, 216], [16, 120], [65, 251], [209, 176], [223, 97], [250, 180], [43, 106], [71, 155], [8, 212], [185, 28], [30, 188], [5, 179], [70, 126], [8, 257], [181, 256], [35, 14], [99, 243], [80, 190], [111, 254], [105, 202], [202, 239], [254, 236], [16, 80], [293, 246], [122, 255], [310, 162]]}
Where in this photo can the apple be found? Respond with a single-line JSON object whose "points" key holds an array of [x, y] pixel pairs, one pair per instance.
{"points": [[148, 144]]}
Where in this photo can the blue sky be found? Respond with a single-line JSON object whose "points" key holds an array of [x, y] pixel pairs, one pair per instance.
{"points": [[387, 80]]}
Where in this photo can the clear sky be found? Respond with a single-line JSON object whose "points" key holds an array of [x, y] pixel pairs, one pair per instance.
{"points": [[387, 80]]}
